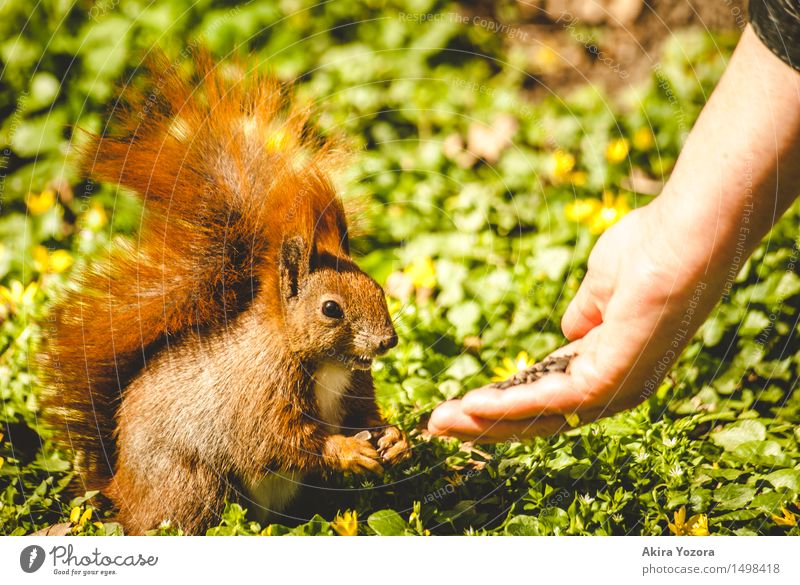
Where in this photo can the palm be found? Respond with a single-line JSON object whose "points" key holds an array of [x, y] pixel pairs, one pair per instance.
{"points": [[626, 328]]}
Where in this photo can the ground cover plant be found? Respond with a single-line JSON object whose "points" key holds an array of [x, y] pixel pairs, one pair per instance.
{"points": [[482, 193]]}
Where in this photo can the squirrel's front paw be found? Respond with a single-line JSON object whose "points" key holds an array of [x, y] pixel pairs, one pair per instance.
{"points": [[393, 445], [352, 454]]}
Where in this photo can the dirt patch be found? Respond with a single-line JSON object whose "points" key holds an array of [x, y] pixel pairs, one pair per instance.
{"points": [[612, 43]]}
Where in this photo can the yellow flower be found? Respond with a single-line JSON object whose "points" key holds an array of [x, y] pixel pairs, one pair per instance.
{"points": [[572, 419], [422, 273], [511, 367], [18, 295], [578, 178], [643, 139], [85, 517], [394, 306], [582, 209], [454, 481], [96, 217], [58, 261], [2, 461], [38, 204], [788, 518], [613, 209], [98, 525], [563, 162], [696, 525], [75, 515], [546, 60], [617, 150], [41, 259], [346, 524]]}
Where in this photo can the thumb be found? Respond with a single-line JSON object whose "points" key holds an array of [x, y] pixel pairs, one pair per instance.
{"points": [[583, 314]]}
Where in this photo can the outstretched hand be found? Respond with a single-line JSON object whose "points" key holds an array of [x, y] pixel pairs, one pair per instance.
{"points": [[639, 304]]}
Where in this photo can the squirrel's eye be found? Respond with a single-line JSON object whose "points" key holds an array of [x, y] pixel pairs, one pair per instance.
{"points": [[332, 309]]}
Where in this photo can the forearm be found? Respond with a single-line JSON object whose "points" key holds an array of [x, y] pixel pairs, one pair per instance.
{"points": [[743, 155]]}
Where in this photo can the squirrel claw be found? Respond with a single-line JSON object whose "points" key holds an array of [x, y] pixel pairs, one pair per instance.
{"points": [[393, 445], [354, 454]]}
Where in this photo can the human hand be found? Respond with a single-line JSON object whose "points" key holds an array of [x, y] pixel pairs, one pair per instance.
{"points": [[644, 295]]}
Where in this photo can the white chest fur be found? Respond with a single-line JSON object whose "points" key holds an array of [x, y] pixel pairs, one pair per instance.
{"points": [[331, 381], [273, 494]]}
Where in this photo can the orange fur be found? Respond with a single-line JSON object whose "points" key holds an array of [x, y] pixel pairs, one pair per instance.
{"points": [[227, 168]]}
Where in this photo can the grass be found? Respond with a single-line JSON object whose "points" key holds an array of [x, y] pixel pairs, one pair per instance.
{"points": [[480, 252]]}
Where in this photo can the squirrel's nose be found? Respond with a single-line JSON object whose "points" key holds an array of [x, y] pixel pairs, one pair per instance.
{"points": [[387, 342]]}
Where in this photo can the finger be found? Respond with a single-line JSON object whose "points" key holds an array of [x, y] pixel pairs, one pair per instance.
{"points": [[397, 452], [391, 436], [450, 420], [369, 464], [583, 313], [367, 450], [552, 394]]}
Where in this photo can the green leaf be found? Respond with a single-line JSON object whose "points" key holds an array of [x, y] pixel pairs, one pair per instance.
{"points": [[463, 367], [767, 453], [754, 323], [733, 496], [387, 523], [44, 89], [785, 478], [465, 317], [523, 526], [553, 262], [732, 436]]}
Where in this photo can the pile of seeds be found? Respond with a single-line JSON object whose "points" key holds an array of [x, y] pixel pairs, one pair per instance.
{"points": [[548, 365]]}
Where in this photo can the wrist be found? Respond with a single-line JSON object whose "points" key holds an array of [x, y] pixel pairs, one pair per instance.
{"points": [[697, 242]]}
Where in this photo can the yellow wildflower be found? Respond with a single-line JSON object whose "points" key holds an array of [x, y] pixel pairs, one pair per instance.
{"points": [[41, 259], [788, 518], [422, 273], [346, 524], [19, 295], [511, 367], [582, 209], [572, 419], [617, 150], [613, 209], [85, 517], [643, 139], [563, 162], [75, 515], [38, 204], [58, 261], [696, 525], [98, 525], [96, 217], [2, 461], [578, 178], [546, 60], [455, 481]]}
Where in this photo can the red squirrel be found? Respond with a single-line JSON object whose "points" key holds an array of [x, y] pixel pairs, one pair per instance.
{"points": [[228, 345]]}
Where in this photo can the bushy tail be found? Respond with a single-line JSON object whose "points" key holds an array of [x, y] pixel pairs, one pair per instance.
{"points": [[224, 164]]}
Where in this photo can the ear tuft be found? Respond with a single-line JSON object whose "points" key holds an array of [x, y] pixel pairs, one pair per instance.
{"points": [[293, 265]]}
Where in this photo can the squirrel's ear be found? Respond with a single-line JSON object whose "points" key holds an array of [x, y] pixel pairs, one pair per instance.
{"points": [[293, 265]]}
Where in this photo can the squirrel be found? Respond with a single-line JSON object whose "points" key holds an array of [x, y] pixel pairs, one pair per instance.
{"points": [[228, 348]]}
